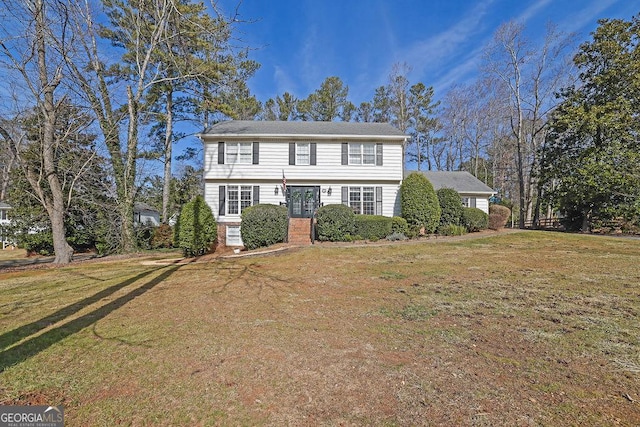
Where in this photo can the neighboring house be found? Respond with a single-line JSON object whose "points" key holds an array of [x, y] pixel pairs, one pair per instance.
{"points": [[5, 239], [474, 193], [145, 214], [318, 163]]}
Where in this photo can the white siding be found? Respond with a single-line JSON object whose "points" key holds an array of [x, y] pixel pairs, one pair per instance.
{"points": [[274, 159]]}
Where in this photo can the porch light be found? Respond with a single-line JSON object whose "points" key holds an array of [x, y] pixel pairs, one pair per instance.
{"points": [[329, 191], [275, 192]]}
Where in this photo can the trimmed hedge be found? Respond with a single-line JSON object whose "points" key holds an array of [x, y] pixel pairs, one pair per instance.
{"points": [[474, 219], [263, 225], [419, 203], [336, 223], [498, 216], [450, 206], [196, 230], [373, 227]]}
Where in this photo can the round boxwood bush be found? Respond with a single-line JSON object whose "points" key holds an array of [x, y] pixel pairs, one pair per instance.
{"points": [[475, 219], [372, 227], [450, 206], [399, 225], [263, 225], [196, 230], [336, 223], [419, 203]]}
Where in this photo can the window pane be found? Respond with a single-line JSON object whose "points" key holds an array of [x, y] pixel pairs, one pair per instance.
{"points": [[232, 199], [355, 154], [368, 201], [246, 152], [302, 154], [355, 199], [232, 152], [368, 154], [245, 197]]}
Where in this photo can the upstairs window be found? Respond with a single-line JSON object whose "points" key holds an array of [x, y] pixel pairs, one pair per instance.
{"points": [[239, 152], [302, 154], [362, 154]]}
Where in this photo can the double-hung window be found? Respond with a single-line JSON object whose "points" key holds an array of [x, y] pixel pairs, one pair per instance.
{"points": [[302, 153], [239, 198], [362, 200], [239, 152], [355, 153]]}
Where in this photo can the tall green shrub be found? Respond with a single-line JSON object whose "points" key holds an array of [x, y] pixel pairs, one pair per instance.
{"points": [[419, 203], [196, 230], [475, 219], [336, 223], [450, 206], [263, 225]]}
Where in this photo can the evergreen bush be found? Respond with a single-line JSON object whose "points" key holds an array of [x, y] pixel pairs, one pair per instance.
{"points": [[373, 227], [419, 202], [263, 225], [498, 216], [399, 225], [474, 219], [196, 230], [450, 206], [336, 223]]}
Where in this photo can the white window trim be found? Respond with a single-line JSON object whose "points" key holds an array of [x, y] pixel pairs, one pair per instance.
{"points": [[306, 159], [233, 239], [361, 202], [240, 189], [359, 147]]}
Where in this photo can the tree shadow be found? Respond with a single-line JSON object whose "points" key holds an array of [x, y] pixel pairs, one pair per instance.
{"points": [[37, 344]]}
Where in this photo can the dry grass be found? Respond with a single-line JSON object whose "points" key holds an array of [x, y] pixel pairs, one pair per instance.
{"points": [[517, 329]]}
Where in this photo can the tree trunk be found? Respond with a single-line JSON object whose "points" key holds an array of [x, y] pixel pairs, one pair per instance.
{"points": [[168, 145], [56, 206]]}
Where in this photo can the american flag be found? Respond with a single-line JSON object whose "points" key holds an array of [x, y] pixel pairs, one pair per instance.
{"points": [[284, 182]]}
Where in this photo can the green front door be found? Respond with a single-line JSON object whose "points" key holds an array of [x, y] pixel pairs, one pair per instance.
{"points": [[303, 201]]}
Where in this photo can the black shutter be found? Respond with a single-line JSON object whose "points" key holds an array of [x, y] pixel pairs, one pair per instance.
{"points": [[472, 202], [256, 194], [221, 153], [378, 200], [256, 153], [378, 154], [292, 153], [312, 154], [345, 196], [223, 198], [345, 153]]}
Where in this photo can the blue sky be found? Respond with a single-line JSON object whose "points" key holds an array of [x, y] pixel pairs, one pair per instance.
{"points": [[301, 42]]}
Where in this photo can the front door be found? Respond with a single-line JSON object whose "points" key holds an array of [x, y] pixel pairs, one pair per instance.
{"points": [[303, 201]]}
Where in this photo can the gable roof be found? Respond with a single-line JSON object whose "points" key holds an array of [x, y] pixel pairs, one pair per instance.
{"points": [[143, 207], [251, 128], [461, 181]]}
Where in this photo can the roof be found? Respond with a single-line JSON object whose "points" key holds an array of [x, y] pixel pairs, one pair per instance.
{"points": [[3, 205], [461, 181], [250, 128], [141, 207]]}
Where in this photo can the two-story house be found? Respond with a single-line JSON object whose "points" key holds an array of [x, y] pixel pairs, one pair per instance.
{"points": [[301, 164], [5, 238]]}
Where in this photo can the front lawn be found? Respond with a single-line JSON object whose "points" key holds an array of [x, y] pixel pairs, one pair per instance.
{"points": [[527, 328]]}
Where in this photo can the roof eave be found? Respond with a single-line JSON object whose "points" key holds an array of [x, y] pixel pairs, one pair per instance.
{"points": [[305, 136]]}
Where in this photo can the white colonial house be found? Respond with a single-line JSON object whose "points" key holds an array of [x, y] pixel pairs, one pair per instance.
{"points": [[5, 221], [301, 164]]}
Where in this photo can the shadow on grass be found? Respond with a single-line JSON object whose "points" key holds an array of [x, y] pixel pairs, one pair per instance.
{"points": [[37, 344]]}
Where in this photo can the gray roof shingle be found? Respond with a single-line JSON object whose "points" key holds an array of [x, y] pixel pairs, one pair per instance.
{"points": [[461, 181], [274, 128]]}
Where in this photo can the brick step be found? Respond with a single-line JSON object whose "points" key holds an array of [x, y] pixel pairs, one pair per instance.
{"points": [[300, 231]]}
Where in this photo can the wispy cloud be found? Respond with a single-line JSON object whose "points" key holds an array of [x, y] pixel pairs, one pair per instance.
{"points": [[432, 52], [531, 11]]}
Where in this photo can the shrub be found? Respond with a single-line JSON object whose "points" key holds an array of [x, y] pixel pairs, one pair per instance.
{"points": [[474, 219], [40, 243], [196, 230], [162, 237], [419, 203], [452, 230], [263, 225], [399, 226], [450, 206], [372, 227], [498, 216], [336, 223]]}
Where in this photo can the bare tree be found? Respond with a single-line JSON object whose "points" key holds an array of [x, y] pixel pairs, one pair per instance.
{"points": [[531, 75], [31, 56]]}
